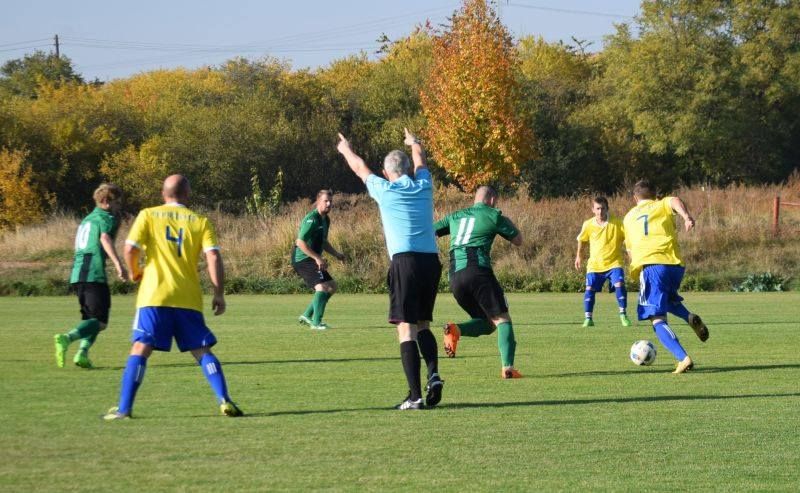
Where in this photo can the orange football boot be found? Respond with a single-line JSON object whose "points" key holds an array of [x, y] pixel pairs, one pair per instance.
{"points": [[451, 336]]}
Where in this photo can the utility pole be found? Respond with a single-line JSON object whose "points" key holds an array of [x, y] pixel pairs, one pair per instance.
{"points": [[57, 50]]}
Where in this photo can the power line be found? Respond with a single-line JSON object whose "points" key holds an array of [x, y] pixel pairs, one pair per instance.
{"points": [[24, 42], [26, 47], [570, 11]]}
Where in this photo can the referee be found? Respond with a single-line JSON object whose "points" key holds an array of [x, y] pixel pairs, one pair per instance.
{"points": [[406, 207]]}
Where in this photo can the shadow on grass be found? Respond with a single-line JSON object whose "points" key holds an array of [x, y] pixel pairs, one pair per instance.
{"points": [[542, 403], [265, 362]]}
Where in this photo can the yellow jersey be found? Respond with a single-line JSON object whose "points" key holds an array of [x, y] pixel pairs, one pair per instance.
{"points": [[651, 235], [605, 244], [171, 237]]}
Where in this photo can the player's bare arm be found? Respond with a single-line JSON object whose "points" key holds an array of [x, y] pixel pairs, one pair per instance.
{"points": [[216, 274], [357, 165], [578, 258], [108, 247], [678, 206], [417, 152], [131, 255], [303, 246], [326, 246]]}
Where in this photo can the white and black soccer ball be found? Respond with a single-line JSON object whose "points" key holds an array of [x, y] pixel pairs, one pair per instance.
{"points": [[643, 353]]}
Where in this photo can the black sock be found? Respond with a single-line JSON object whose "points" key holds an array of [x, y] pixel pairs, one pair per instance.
{"points": [[409, 355], [429, 350]]}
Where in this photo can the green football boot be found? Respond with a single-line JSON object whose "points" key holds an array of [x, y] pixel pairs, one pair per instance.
{"points": [[82, 360], [624, 320], [62, 343], [588, 322]]}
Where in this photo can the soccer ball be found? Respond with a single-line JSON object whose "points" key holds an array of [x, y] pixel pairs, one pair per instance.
{"points": [[643, 353]]}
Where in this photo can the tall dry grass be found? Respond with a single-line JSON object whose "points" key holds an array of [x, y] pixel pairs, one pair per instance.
{"points": [[732, 239]]}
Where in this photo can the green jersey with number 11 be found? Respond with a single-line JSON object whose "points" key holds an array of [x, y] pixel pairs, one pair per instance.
{"points": [[472, 232]]}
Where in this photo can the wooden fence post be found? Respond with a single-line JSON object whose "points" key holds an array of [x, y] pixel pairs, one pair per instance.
{"points": [[776, 210]]}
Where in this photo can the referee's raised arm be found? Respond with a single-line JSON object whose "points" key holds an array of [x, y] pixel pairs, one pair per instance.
{"points": [[353, 160], [417, 152]]}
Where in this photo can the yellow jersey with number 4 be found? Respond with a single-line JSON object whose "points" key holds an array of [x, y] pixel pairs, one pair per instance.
{"points": [[171, 237], [651, 235], [605, 244]]}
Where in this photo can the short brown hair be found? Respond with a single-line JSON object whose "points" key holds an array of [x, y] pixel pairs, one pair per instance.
{"points": [[106, 191], [601, 200], [644, 190], [325, 191]]}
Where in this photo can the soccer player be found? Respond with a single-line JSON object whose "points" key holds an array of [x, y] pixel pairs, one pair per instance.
{"points": [[406, 208], [169, 303], [94, 242], [472, 281], [652, 242], [307, 260], [605, 236]]}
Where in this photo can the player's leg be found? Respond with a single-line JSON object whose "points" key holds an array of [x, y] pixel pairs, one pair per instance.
{"points": [[617, 279], [98, 305], [192, 334], [594, 283], [152, 329], [322, 293], [653, 304], [492, 301], [429, 274], [404, 298], [88, 327], [307, 270], [677, 308]]}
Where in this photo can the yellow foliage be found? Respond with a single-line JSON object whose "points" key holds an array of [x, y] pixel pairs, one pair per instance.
{"points": [[138, 171], [20, 202]]}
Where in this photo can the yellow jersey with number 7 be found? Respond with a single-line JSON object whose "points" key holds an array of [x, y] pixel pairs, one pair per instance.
{"points": [[651, 235], [171, 237]]}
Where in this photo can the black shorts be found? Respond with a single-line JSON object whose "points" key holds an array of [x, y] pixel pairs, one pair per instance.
{"points": [[413, 281], [477, 291], [307, 269], [95, 300]]}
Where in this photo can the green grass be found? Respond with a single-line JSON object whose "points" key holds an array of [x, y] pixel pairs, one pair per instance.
{"points": [[319, 417]]}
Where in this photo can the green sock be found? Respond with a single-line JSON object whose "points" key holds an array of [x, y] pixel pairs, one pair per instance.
{"points": [[476, 327], [86, 343], [320, 300], [310, 309], [85, 329], [506, 343]]}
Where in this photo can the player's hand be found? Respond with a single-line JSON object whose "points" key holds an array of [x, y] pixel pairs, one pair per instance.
{"points": [[342, 257], [321, 264], [122, 274], [218, 304], [577, 263], [688, 223], [344, 145], [410, 139]]}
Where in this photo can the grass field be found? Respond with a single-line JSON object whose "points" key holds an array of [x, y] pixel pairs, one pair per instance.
{"points": [[318, 404]]}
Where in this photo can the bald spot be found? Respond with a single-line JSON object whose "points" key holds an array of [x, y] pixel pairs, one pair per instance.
{"points": [[176, 187], [485, 194]]}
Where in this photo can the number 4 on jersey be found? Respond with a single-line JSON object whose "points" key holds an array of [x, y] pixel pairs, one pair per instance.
{"points": [[177, 239]]}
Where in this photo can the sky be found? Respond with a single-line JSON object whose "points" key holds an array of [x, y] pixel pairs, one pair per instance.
{"points": [[113, 39]]}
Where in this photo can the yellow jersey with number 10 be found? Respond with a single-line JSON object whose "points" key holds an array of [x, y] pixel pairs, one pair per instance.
{"points": [[171, 237], [651, 235]]}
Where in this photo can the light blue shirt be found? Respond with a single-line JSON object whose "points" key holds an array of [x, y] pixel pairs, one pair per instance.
{"points": [[406, 207]]}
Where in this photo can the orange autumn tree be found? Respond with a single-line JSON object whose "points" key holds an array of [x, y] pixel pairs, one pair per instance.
{"points": [[470, 100]]}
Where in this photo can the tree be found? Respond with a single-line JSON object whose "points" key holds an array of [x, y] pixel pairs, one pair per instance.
{"points": [[471, 98], [20, 201], [23, 76]]}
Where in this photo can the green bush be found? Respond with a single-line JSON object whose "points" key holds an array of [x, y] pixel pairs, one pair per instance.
{"points": [[756, 283]]}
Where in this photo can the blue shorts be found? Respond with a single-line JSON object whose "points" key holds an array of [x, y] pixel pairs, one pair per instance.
{"points": [[595, 280], [157, 325], [658, 289]]}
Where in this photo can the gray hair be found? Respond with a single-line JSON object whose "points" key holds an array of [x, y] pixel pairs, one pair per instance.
{"points": [[396, 162]]}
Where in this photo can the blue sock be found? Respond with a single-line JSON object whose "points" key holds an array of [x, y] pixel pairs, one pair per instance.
{"points": [[588, 301], [212, 369], [131, 379], [669, 340], [679, 311], [622, 297]]}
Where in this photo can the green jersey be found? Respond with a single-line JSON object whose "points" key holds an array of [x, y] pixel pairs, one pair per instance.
{"points": [[472, 231], [90, 258], [314, 232]]}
